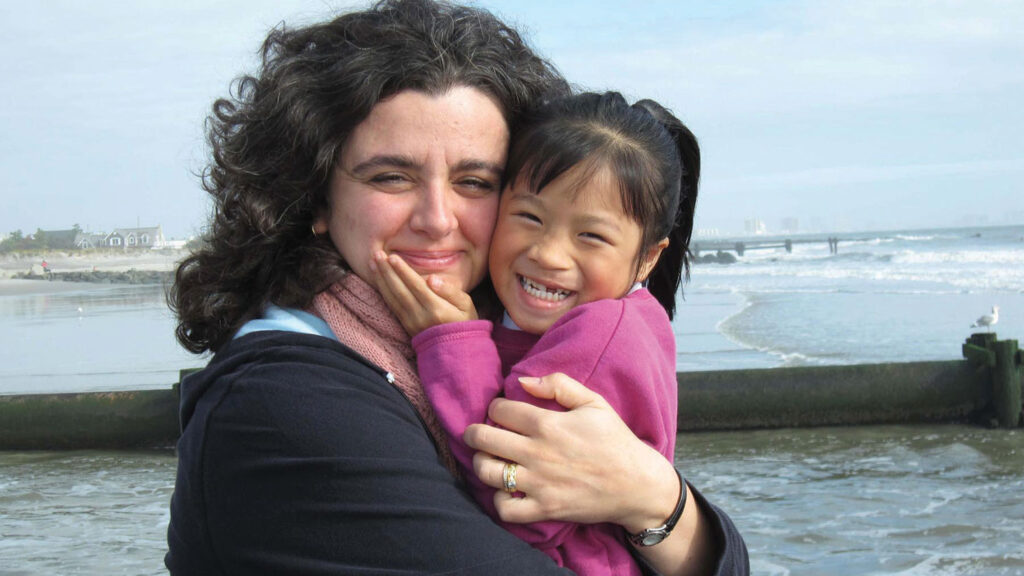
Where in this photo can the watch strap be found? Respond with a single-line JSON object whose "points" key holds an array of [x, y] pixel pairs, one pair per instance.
{"points": [[652, 536]]}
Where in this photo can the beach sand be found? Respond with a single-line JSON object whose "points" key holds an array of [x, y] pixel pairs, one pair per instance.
{"points": [[59, 261]]}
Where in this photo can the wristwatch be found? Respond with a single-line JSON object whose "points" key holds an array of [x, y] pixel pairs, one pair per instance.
{"points": [[652, 536]]}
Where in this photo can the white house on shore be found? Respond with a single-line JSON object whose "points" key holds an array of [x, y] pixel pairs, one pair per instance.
{"points": [[89, 240], [152, 237]]}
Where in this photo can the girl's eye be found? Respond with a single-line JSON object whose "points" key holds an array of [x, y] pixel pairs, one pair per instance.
{"points": [[527, 216], [594, 237]]}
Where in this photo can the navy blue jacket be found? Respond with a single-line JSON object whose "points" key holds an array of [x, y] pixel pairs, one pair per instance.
{"points": [[297, 457]]}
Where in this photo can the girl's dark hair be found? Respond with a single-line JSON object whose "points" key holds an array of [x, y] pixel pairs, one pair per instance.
{"points": [[276, 140], [654, 157]]}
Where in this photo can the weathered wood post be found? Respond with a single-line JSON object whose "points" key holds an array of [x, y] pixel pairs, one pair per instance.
{"points": [[1006, 383], [1001, 360], [978, 350]]}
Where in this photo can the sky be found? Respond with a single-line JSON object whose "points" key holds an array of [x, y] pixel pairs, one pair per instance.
{"points": [[826, 116]]}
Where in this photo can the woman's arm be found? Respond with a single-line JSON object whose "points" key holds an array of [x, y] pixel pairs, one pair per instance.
{"points": [[585, 465]]}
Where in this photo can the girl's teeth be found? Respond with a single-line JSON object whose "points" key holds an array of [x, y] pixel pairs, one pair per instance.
{"points": [[543, 292]]}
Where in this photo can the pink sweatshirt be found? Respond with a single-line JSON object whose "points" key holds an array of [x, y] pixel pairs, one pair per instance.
{"points": [[623, 349]]}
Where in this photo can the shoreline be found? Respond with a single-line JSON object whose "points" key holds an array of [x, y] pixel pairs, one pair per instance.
{"points": [[84, 270], [90, 261], [23, 287]]}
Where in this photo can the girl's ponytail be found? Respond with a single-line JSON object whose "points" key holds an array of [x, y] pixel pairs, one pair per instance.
{"points": [[664, 280]]}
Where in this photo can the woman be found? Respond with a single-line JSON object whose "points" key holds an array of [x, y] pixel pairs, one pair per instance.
{"points": [[384, 129]]}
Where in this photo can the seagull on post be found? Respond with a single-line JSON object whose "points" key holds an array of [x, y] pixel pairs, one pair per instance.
{"points": [[987, 320]]}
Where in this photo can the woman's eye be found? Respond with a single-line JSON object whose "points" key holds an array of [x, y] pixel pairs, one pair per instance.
{"points": [[389, 178], [478, 185]]}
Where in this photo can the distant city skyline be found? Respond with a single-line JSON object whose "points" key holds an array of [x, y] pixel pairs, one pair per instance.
{"points": [[861, 115]]}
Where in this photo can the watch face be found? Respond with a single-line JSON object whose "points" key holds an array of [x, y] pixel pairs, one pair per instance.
{"points": [[653, 538]]}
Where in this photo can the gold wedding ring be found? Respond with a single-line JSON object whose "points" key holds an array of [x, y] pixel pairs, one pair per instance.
{"points": [[508, 477]]}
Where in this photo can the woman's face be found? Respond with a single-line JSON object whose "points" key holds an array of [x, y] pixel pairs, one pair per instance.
{"points": [[420, 178]]}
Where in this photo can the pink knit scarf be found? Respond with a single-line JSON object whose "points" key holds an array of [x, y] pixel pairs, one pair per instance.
{"points": [[360, 319]]}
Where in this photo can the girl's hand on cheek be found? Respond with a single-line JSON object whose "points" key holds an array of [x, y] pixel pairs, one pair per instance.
{"points": [[416, 304], [455, 297]]}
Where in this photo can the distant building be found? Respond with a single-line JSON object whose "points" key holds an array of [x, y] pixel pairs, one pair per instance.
{"points": [[135, 238], [152, 237], [173, 244], [86, 240], [706, 233], [754, 227]]}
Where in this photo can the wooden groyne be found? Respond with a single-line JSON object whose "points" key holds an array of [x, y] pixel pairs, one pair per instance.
{"points": [[114, 420], [982, 388]]}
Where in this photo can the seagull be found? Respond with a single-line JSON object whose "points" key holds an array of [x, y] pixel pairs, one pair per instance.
{"points": [[988, 319]]}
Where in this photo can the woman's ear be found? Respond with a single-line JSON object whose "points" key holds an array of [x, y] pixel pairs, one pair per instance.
{"points": [[320, 225], [650, 259]]}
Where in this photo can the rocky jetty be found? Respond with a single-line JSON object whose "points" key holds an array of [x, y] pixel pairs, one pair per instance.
{"points": [[131, 276]]}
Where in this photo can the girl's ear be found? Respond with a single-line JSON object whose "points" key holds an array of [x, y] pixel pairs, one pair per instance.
{"points": [[650, 259]]}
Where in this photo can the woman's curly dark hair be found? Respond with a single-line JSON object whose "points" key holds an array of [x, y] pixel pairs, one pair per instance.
{"points": [[275, 143]]}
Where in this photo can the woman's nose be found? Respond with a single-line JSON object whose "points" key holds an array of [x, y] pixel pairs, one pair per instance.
{"points": [[434, 214]]}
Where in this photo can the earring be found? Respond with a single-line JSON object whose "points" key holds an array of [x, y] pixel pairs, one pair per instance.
{"points": [[312, 228]]}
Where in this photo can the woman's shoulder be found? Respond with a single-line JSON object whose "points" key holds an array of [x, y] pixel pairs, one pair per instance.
{"points": [[297, 388], [269, 361], [274, 348]]}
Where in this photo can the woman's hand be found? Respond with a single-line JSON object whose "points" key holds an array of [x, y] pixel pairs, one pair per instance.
{"points": [[419, 302], [584, 465]]}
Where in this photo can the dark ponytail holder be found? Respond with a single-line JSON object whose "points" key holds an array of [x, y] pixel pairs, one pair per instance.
{"points": [[674, 264]]}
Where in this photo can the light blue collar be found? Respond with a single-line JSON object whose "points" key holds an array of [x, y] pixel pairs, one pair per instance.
{"points": [[507, 322], [287, 320]]}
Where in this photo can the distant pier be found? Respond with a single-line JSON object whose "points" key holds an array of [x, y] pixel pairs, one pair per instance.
{"points": [[742, 246]]}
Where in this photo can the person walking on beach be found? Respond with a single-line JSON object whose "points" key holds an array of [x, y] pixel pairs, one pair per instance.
{"points": [[599, 202]]}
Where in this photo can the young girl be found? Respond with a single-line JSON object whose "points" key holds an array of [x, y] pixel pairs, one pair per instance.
{"points": [[599, 203]]}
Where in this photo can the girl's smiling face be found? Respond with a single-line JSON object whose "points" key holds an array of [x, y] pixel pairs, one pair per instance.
{"points": [[570, 244]]}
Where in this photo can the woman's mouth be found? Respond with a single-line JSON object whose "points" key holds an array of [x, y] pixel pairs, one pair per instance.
{"points": [[430, 261], [543, 292]]}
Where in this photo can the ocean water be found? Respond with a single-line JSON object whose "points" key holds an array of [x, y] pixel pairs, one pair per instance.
{"points": [[911, 500], [101, 337], [885, 297]]}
